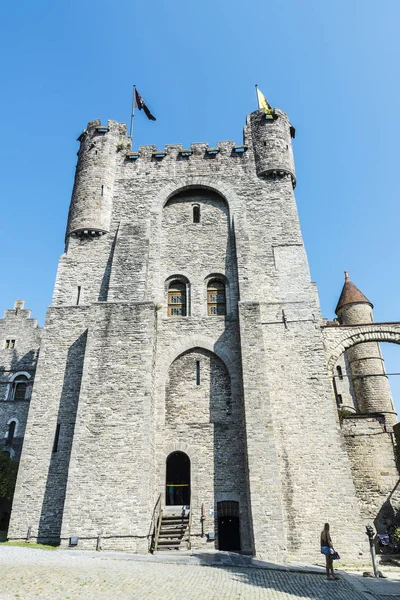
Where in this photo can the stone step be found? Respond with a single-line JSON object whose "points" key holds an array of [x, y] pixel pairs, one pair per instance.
{"points": [[178, 534], [167, 544]]}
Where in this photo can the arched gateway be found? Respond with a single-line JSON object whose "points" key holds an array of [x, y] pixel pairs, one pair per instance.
{"points": [[177, 491]]}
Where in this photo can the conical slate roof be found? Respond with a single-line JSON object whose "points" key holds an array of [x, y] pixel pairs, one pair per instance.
{"points": [[351, 294]]}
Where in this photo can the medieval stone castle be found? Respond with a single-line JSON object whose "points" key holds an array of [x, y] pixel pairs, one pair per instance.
{"points": [[188, 393]]}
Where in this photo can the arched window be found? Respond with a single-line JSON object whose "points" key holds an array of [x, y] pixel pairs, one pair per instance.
{"points": [[10, 434], [216, 298], [196, 213], [19, 387], [177, 299]]}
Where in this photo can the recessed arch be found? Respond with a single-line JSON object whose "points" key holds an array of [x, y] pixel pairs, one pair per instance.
{"points": [[204, 343], [177, 186]]}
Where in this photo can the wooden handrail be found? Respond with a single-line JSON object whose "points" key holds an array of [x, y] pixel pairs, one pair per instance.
{"points": [[189, 544], [158, 528], [154, 523]]}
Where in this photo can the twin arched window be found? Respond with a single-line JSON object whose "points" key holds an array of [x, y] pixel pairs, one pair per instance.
{"points": [[177, 298], [216, 297]]}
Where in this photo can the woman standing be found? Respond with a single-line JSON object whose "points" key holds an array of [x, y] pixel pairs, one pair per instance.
{"points": [[327, 549]]}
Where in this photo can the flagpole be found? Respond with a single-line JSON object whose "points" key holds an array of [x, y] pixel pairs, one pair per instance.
{"points": [[258, 102], [132, 113]]}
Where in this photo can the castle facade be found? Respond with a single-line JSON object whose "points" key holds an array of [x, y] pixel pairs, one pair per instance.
{"points": [[188, 391]]}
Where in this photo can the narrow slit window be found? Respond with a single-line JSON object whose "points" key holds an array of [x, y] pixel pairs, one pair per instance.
{"points": [[339, 399], [102, 190], [56, 438], [177, 299], [197, 372], [339, 372], [10, 433], [78, 296], [216, 298], [196, 213]]}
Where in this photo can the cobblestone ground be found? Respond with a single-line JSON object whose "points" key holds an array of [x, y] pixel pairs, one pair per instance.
{"points": [[36, 574]]}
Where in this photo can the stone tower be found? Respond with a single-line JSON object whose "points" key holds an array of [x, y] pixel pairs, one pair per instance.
{"points": [[182, 359], [368, 433], [370, 382]]}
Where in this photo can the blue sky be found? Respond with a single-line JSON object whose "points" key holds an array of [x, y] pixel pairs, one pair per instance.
{"points": [[333, 67]]}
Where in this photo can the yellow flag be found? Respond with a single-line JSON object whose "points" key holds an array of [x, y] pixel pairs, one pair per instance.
{"points": [[263, 103]]}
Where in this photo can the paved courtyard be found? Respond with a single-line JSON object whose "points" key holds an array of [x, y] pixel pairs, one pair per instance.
{"points": [[39, 574]]}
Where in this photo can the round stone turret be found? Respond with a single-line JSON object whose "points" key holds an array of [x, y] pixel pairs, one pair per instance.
{"points": [[371, 385], [272, 144], [102, 148]]}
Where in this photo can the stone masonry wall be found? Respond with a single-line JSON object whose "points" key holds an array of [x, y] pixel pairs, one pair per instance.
{"points": [[16, 325], [112, 460], [40, 490], [372, 458]]}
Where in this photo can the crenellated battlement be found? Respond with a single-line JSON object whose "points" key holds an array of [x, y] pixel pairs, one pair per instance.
{"points": [[196, 150]]}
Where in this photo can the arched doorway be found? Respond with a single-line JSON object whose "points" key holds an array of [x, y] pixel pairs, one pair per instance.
{"points": [[178, 480], [228, 526]]}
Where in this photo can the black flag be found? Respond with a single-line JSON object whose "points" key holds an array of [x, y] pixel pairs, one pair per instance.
{"points": [[140, 104]]}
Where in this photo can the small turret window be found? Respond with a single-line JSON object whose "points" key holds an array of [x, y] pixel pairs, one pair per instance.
{"points": [[339, 372], [177, 299], [216, 298]]}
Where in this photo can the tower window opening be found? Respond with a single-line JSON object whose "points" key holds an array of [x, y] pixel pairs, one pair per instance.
{"points": [[216, 298], [56, 438], [177, 299], [197, 372], [78, 296], [339, 399], [10, 433], [19, 388], [102, 190], [339, 372], [196, 213], [10, 344]]}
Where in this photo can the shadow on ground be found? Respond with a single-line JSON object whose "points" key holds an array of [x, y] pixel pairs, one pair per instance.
{"points": [[295, 582]]}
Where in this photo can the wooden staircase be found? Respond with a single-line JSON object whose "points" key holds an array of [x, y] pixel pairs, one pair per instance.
{"points": [[173, 531]]}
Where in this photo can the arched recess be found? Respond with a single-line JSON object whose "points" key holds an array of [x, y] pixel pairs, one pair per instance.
{"points": [[205, 343], [338, 341], [174, 188], [210, 184], [198, 389]]}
